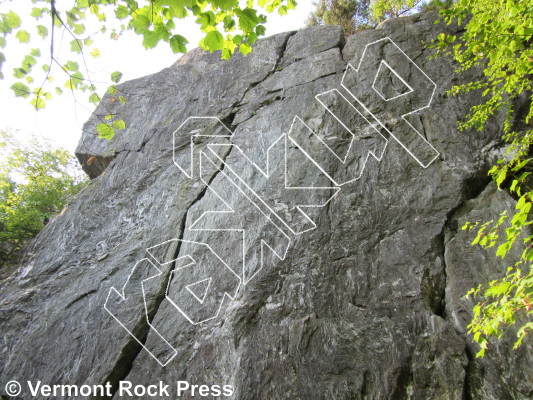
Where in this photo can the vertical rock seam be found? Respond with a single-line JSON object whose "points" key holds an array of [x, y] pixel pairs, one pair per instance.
{"points": [[132, 349]]}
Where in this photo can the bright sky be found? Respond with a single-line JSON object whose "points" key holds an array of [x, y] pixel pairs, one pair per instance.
{"points": [[62, 119]]}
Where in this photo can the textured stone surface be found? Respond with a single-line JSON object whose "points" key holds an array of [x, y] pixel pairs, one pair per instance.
{"points": [[485, 375], [366, 304]]}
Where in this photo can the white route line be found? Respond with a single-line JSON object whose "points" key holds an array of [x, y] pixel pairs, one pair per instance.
{"points": [[350, 66], [122, 296], [378, 157], [201, 300], [411, 90], [264, 207], [267, 175], [226, 294], [245, 278], [190, 173], [342, 160]]}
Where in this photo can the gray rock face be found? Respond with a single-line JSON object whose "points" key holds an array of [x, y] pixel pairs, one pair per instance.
{"points": [[316, 257]]}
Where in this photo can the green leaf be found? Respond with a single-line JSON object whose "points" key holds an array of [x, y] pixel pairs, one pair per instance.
{"points": [[11, 19], [177, 44], [75, 80], [21, 90], [28, 62], [38, 103], [521, 164], [94, 98], [111, 90], [499, 289], [251, 37], [37, 12], [95, 53], [214, 41], [150, 39], [177, 8], [245, 48], [229, 23], [206, 20], [226, 4], [196, 11], [140, 23], [248, 19], [71, 66], [2, 42], [116, 76], [122, 12], [35, 52], [94, 9], [119, 124], [42, 31], [20, 73], [105, 131], [170, 24], [503, 249], [23, 36], [79, 29], [226, 53], [528, 31], [76, 46], [132, 5], [260, 30]]}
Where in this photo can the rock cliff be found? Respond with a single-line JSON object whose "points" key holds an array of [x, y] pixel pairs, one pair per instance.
{"points": [[286, 223]]}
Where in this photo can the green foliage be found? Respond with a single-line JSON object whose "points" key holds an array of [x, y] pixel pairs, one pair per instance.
{"points": [[507, 298], [352, 15], [356, 15], [497, 39], [228, 25], [36, 182], [436, 5], [384, 9]]}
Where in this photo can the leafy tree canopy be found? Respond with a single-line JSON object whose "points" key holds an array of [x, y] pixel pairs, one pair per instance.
{"points": [[498, 40], [36, 182], [352, 15], [435, 5], [355, 15], [227, 25], [383, 9]]}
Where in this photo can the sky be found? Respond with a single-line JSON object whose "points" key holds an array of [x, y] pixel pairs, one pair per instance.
{"points": [[62, 119]]}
